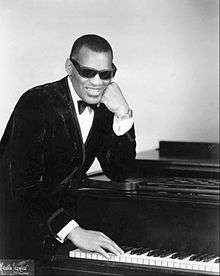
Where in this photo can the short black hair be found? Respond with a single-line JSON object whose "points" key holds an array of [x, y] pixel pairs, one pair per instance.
{"points": [[93, 42]]}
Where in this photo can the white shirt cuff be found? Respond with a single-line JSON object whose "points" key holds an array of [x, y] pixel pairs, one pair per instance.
{"points": [[62, 234], [121, 126]]}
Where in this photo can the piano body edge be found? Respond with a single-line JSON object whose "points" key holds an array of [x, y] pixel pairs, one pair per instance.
{"points": [[147, 218]]}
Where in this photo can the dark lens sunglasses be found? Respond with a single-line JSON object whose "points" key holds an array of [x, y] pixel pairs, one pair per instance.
{"points": [[87, 72]]}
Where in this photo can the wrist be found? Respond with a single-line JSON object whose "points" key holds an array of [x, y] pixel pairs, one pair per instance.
{"points": [[73, 233], [126, 115]]}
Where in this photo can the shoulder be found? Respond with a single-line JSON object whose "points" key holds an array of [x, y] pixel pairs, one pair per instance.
{"points": [[42, 93], [41, 97], [41, 103]]}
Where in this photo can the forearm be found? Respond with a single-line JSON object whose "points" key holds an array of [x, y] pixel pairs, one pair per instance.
{"points": [[118, 154], [42, 208]]}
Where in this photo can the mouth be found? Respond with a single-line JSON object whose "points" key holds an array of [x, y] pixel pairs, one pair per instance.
{"points": [[94, 91]]}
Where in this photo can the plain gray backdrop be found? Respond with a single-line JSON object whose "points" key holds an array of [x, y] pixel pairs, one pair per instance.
{"points": [[166, 52]]}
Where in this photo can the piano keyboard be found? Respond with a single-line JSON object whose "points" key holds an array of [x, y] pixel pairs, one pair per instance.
{"points": [[205, 262]]}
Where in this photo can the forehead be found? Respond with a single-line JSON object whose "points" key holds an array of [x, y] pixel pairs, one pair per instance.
{"points": [[98, 60]]}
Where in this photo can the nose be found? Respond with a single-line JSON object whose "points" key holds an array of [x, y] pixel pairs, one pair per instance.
{"points": [[96, 80]]}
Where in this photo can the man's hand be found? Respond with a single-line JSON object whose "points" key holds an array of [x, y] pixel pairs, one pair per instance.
{"points": [[114, 100], [93, 241]]}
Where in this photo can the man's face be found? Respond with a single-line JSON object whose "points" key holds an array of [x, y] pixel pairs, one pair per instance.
{"points": [[91, 90]]}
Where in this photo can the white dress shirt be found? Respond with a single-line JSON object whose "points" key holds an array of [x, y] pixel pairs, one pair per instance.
{"points": [[120, 127]]}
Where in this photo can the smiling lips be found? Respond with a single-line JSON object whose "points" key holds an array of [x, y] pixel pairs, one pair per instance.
{"points": [[94, 91]]}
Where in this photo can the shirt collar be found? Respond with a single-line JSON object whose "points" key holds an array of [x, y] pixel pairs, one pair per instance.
{"points": [[73, 92], [76, 98], [74, 95]]}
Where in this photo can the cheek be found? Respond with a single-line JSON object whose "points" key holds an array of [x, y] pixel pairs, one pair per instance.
{"points": [[81, 84], [83, 81]]}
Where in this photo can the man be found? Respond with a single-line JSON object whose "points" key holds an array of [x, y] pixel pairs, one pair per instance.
{"points": [[48, 141]]}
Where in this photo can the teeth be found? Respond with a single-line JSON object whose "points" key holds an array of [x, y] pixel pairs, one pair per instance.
{"points": [[90, 88], [93, 91]]}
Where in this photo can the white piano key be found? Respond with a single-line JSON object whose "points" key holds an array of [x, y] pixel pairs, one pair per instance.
{"points": [[89, 255], [122, 258], [127, 259], [188, 265], [213, 261], [214, 266], [195, 266], [146, 261], [152, 261], [102, 258], [169, 263], [176, 264], [94, 256], [143, 259], [201, 266]]}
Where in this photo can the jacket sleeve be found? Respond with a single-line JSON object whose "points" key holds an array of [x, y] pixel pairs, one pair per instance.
{"points": [[117, 153], [24, 169]]}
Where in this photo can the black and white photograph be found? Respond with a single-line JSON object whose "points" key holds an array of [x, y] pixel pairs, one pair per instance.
{"points": [[109, 137]]}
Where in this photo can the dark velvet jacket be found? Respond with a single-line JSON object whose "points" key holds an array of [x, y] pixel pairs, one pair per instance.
{"points": [[42, 149]]}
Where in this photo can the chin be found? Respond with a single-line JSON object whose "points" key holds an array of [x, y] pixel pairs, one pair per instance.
{"points": [[93, 100]]}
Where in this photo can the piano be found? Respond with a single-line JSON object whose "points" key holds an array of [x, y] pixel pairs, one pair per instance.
{"points": [[165, 215]]}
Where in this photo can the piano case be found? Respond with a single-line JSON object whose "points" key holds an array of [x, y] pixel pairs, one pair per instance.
{"points": [[170, 201]]}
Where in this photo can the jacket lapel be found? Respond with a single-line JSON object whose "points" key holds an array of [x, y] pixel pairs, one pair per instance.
{"points": [[66, 108]]}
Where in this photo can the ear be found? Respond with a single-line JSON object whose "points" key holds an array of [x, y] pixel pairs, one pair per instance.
{"points": [[68, 66]]}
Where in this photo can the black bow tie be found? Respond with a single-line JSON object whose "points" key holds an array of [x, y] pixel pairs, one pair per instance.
{"points": [[82, 105]]}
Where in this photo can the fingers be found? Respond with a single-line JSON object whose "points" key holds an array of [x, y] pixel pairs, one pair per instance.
{"points": [[110, 245], [104, 242], [103, 252], [111, 90], [94, 241], [118, 248], [114, 246], [114, 100]]}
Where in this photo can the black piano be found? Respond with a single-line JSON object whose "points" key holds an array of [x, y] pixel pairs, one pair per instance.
{"points": [[165, 215]]}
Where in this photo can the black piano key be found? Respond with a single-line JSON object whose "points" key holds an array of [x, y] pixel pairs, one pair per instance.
{"points": [[196, 257], [144, 250], [135, 250], [159, 252], [201, 257], [175, 255], [209, 257], [126, 248], [155, 254], [181, 255], [152, 252], [166, 253], [217, 260]]}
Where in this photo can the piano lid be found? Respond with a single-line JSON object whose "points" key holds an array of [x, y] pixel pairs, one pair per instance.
{"points": [[188, 153]]}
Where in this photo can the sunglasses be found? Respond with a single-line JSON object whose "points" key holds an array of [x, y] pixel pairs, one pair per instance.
{"points": [[87, 72]]}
